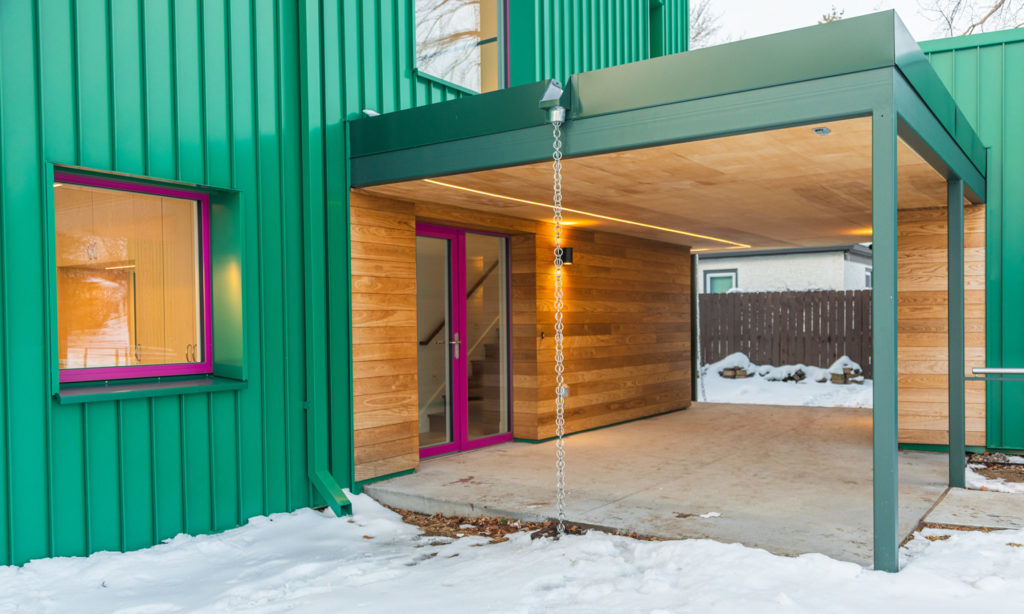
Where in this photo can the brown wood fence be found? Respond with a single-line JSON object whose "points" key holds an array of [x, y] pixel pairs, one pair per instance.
{"points": [[785, 328]]}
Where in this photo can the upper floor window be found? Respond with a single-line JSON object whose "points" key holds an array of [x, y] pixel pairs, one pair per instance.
{"points": [[133, 271], [457, 41]]}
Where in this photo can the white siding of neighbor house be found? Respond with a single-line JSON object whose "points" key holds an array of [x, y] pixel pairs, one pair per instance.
{"points": [[855, 275], [821, 270]]}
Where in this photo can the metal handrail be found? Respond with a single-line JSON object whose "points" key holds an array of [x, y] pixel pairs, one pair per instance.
{"points": [[997, 371], [996, 374]]}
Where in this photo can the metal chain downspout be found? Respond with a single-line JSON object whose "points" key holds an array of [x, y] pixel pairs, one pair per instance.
{"points": [[703, 396], [561, 390]]}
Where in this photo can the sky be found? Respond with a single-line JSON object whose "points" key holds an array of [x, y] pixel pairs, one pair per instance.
{"points": [[750, 18]]}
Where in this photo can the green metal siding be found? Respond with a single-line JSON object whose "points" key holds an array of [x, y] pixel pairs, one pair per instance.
{"points": [[187, 91], [985, 74], [553, 39], [251, 98]]}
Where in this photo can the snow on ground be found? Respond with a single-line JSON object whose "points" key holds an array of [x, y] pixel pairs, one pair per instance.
{"points": [[372, 563], [976, 481], [766, 387]]}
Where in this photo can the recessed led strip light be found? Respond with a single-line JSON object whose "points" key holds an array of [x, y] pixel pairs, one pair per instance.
{"points": [[734, 244]]}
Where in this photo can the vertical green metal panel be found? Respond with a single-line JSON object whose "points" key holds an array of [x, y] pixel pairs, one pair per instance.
{"points": [[194, 91], [208, 92], [553, 39], [983, 72]]}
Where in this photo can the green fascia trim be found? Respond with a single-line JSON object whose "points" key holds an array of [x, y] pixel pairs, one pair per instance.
{"points": [[792, 104], [139, 389], [1002, 37], [930, 447], [357, 488], [920, 129], [842, 48], [914, 65], [598, 428], [495, 112]]}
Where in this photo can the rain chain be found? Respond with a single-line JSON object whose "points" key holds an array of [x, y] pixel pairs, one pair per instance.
{"points": [[561, 390]]}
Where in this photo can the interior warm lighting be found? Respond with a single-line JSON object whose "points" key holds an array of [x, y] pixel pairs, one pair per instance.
{"points": [[864, 232], [120, 266], [57, 185], [587, 213]]}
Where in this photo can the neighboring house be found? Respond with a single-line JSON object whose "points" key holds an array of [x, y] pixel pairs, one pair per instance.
{"points": [[222, 276], [839, 267]]}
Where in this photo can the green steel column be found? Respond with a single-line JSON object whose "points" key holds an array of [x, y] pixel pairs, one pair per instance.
{"points": [[955, 271], [883, 212]]}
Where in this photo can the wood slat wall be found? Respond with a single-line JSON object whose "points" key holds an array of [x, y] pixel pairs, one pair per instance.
{"points": [[923, 400], [384, 336], [627, 344], [627, 326]]}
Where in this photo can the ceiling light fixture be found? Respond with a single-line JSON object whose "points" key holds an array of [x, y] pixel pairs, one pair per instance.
{"points": [[587, 213]]}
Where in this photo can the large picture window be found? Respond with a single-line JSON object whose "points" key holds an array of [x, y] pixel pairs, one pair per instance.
{"points": [[133, 292], [457, 41]]}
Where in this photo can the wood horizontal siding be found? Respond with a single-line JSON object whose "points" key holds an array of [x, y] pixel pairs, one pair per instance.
{"points": [[627, 326], [384, 336], [922, 313]]}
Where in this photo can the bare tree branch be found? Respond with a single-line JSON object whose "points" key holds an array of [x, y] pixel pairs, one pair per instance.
{"points": [[833, 15], [961, 17], [705, 24]]}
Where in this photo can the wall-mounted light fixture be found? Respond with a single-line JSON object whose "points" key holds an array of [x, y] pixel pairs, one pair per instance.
{"points": [[566, 255], [822, 130]]}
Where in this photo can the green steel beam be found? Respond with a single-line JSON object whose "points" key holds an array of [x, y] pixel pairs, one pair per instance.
{"points": [[885, 446], [920, 129], [742, 112], [493, 113], [955, 279], [841, 49]]}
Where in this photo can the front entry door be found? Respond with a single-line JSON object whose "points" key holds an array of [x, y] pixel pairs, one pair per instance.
{"points": [[462, 329]]}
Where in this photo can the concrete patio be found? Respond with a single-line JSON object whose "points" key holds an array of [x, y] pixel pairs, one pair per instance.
{"points": [[790, 480]]}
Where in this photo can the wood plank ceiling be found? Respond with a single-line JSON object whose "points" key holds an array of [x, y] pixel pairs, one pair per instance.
{"points": [[782, 188]]}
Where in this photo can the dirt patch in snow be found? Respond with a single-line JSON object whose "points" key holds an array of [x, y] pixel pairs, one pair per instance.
{"points": [[997, 466], [495, 529]]}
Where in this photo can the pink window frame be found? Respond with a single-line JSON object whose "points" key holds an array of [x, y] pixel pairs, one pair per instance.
{"points": [[170, 369]]}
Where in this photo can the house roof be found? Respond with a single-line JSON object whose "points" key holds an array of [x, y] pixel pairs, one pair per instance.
{"points": [[856, 249]]}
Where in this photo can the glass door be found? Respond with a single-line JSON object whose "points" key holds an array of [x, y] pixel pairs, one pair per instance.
{"points": [[462, 329], [435, 330]]}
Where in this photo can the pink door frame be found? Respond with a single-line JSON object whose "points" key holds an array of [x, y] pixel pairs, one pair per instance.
{"points": [[459, 383]]}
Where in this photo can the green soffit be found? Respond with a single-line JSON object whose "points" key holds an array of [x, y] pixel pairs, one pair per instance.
{"points": [[844, 47]]}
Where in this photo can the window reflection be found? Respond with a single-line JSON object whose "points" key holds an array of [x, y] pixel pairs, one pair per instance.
{"points": [[457, 40], [128, 278]]}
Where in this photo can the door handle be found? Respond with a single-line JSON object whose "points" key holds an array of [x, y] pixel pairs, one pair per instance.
{"points": [[456, 342]]}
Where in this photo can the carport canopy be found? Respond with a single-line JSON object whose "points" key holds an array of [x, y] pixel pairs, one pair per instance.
{"points": [[811, 137]]}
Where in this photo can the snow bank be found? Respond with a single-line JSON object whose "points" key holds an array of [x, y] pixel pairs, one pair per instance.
{"points": [[737, 360], [801, 385], [845, 362], [372, 563]]}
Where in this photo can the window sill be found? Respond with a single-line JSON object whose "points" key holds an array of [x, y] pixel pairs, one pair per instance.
{"points": [[116, 391]]}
